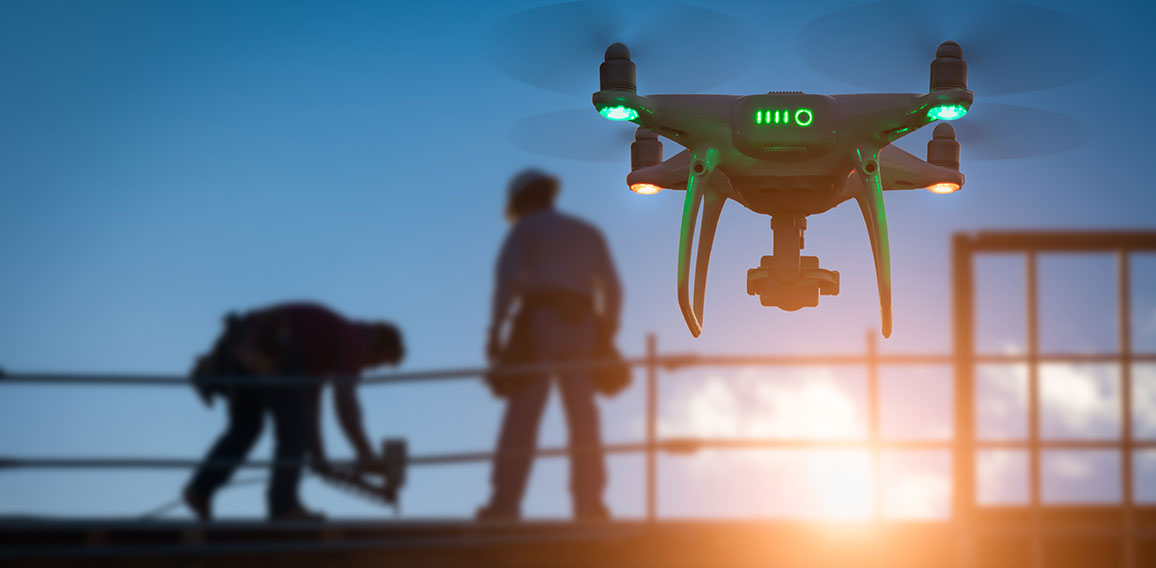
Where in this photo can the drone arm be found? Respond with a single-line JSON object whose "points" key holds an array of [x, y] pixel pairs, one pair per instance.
{"points": [[921, 111], [875, 216], [903, 171], [887, 117], [701, 168]]}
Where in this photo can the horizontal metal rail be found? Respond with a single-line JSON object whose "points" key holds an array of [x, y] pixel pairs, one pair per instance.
{"points": [[673, 445], [1063, 241], [667, 362]]}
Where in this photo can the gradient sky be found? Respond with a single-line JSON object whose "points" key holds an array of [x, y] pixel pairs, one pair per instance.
{"points": [[164, 162]]}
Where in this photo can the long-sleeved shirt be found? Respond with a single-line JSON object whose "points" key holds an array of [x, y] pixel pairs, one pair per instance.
{"points": [[548, 250], [326, 344]]}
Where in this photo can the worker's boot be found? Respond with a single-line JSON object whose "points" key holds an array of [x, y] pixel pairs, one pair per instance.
{"points": [[297, 513], [198, 504], [592, 512], [492, 513]]}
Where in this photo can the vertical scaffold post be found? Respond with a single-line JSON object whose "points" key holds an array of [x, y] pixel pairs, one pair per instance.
{"points": [[1035, 476], [651, 425], [873, 423], [1124, 319], [963, 455]]}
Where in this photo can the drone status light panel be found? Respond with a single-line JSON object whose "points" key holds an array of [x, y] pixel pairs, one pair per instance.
{"points": [[783, 125]]}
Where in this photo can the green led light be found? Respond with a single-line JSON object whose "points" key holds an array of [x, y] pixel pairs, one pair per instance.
{"points": [[618, 113], [946, 112], [804, 117]]}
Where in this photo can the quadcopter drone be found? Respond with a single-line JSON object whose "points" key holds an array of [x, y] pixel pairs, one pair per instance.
{"points": [[787, 155]]}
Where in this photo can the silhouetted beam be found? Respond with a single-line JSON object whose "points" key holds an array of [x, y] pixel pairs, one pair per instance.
{"points": [[1063, 241]]}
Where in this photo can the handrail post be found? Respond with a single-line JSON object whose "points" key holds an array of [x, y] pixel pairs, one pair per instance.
{"points": [[651, 425]]}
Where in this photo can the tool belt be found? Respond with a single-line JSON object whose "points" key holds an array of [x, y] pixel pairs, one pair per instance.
{"points": [[273, 336], [572, 307]]}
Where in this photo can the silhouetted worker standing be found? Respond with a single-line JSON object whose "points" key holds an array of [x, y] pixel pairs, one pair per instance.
{"points": [[294, 339], [558, 269]]}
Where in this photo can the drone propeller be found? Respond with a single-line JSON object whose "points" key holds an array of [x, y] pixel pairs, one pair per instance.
{"points": [[1010, 47], [993, 131], [580, 134], [678, 48]]}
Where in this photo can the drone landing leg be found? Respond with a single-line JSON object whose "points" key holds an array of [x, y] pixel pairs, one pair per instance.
{"points": [[710, 215], [875, 217], [701, 168]]}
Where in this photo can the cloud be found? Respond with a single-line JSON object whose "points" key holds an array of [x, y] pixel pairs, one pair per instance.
{"points": [[918, 495], [1002, 477], [810, 404], [814, 404], [1144, 400], [1076, 401], [1070, 465], [1001, 397]]}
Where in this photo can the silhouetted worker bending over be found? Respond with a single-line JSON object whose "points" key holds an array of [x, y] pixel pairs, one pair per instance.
{"points": [[558, 268], [287, 340]]}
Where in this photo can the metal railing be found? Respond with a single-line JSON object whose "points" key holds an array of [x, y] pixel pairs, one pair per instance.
{"points": [[651, 445], [962, 444]]}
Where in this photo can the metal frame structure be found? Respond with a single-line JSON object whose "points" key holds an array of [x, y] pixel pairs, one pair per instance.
{"points": [[971, 524], [1031, 244]]}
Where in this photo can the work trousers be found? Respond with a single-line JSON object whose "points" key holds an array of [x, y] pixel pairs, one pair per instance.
{"points": [[557, 338], [293, 410]]}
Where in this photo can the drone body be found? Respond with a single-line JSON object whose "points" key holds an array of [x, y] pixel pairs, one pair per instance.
{"points": [[787, 155]]}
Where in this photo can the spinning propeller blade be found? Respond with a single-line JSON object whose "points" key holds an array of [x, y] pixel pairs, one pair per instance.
{"points": [[1010, 47], [580, 134], [678, 48], [993, 131]]}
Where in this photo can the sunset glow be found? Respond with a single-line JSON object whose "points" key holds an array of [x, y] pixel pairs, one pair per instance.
{"points": [[823, 483]]}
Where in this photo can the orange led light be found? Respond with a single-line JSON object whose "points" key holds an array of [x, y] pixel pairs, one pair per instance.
{"points": [[946, 187], [645, 188]]}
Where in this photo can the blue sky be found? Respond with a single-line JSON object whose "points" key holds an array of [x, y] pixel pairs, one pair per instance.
{"points": [[164, 162]]}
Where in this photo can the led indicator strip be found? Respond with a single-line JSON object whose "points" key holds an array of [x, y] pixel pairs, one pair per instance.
{"points": [[801, 117]]}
